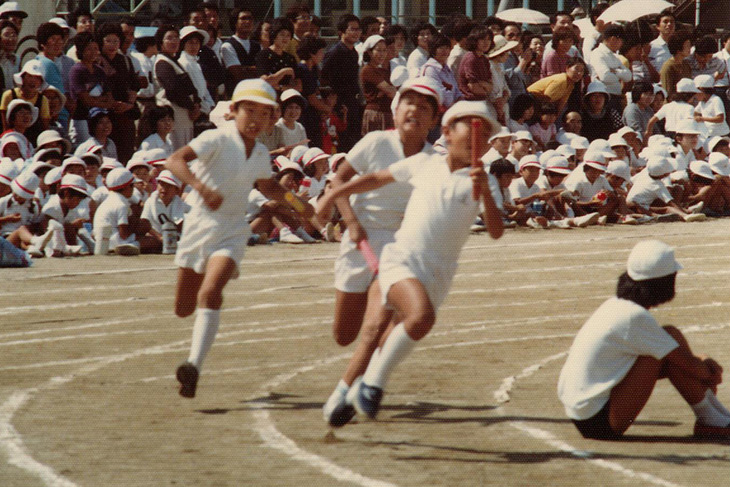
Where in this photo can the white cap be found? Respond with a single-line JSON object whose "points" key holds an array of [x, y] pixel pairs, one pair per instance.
{"points": [[93, 155], [335, 160], [119, 178], [156, 157], [136, 162], [596, 160], [297, 154], [25, 184], [596, 87], [34, 68], [701, 168], [566, 151], [686, 85], [523, 135], [284, 164], [558, 164], [601, 145], [291, 93], [714, 141], [109, 163], [36, 165], [63, 24], [616, 140], [704, 81], [53, 176], [546, 156], [167, 177], [651, 259], [530, 160], [75, 182], [255, 90], [579, 142], [12, 8], [619, 168], [43, 153], [423, 85], [659, 166], [398, 76], [503, 132], [8, 171], [658, 89], [719, 163], [50, 135], [371, 42], [477, 109], [500, 46], [73, 161], [189, 30], [17, 103], [688, 127], [313, 155], [626, 130]]}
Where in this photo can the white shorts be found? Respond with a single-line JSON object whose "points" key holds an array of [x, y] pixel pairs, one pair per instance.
{"points": [[397, 264], [203, 238], [352, 274]]}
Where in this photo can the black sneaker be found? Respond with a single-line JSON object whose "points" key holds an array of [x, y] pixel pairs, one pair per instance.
{"points": [[367, 400], [341, 415], [187, 375]]}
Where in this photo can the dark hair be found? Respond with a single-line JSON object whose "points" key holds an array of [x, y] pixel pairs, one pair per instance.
{"points": [[527, 38], [548, 108], [94, 120], [210, 5], [394, 30], [46, 30], [14, 113], [344, 21], [597, 10], [522, 103], [572, 61], [501, 167], [82, 41], [647, 293], [667, 12], [192, 35], [129, 20], [71, 192], [680, 96], [295, 10], [490, 21], [462, 29], [309, 46], [325, 91], [418, 28], [560, 13], [233, 17], [721, 143], [6, 23], [258, 30], [639, 88], [476, 34], [366, 22], [197, 9], [696, 178], [157, 113], [299, 100], [280, 24], [108, 28], [439, 40], [73, 17], [297, 175], [316, 21], [676, 42], [723, 39], [706, 45], [614, 30], [144, 43], [160, 34], [562, 34]]}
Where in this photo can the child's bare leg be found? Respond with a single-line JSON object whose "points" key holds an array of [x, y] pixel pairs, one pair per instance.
{"points": [[411, 300], [349, 311], [186, 293], [20, 237]]}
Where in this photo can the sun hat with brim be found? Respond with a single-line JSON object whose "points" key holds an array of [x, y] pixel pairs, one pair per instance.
{"points": [[53, 176], [64, 25], [619, 168], [36, 166], [596, 87], [501, 45], [58, 93], [49, 136], [335, 161], [503, 132], [659, 166], [119, 178], [523, 135], [8, 171], [704, 81], [254, 90], [616, 140], [651, 259], [423, 85], [155, 157], [190, 30], [472, 109], [109, 164], [545, 156], [596, 160], [702, 169], [44, 155], [719, 163], [92, 157], [12, 8], [25, 184], [558, 164], [285, 164], [530, 160], [688, 127], [33, 68], [626, 130], [371, 42], [712, 143], [75, 182], [168, 177], [602, 145], [313, 155], [135, 163], [293, 95], [73, 161], [579, 142], [18, 103], [566, 151], [658, 89], [686, 85]]}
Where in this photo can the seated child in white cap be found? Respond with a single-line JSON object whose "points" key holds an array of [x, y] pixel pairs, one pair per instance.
{"points": [[316, 166], [65, 215], [621, 352], [503, 172], [115, 213], [706, 188], [19, 211], [163, 205], [594, 195]]}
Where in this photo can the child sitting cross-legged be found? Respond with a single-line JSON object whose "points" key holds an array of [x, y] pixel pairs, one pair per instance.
{"points": [[163, 205]]}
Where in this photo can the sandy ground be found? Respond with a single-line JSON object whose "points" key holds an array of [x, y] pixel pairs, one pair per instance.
{"points": [[88, 348]]}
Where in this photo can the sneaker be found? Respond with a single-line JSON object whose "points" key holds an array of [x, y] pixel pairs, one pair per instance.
{"points": [[628, 220], [286, 236], [330, 234], [187, 375], [564, 224], [38, 243], [696, 208], [645, 219], [602, 220], [127, 249], [337, 411], [35, 252], [478, 227], [695, 217], [509, 224], [72, 250], [367, 400], [537, 222], [712, 432], [301, 233], [669, 217], [585, 220]]}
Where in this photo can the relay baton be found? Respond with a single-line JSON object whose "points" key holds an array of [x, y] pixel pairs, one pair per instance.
{"points": [[294, 202], [476, 131], [370, 257]]}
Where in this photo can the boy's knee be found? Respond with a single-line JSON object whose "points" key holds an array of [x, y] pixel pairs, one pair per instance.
{"points": [[343, 337], [420, 323], [210, 297], [184, 310]]}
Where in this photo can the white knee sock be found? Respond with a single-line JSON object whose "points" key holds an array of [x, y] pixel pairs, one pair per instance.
{"points": [[708, 414], [396, 348], [204, 331]]}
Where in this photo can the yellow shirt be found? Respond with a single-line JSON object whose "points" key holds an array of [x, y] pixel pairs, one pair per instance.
{"points": [[556, 88], [45, 112]]}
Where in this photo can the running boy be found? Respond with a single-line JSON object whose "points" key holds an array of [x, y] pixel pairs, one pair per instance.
{"points": [[216, 232]]}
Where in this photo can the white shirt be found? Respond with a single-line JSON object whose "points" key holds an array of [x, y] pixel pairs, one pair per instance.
{"points": [[154, 207], [228, 52], [578, 182], [315, 186], [712, 108], [723, 55], [415, 61], [518, 189], [659, 53], [154, 141], [647, 189], [454, 60], [291, 136], [146, 69], [674, 112], [112, 212], [256, 200], [607, 67], [222, 165], [382, 208], [28, 211], [52, 209], [681, 161], [544, 185], [604, 351], [191, 66]]}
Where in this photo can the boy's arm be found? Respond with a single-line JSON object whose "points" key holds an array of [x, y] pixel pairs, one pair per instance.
{"points": [[492, 215], [362, 184], [177, 163], [275, 191]]}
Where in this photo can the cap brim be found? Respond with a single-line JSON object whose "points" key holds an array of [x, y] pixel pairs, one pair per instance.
{"points": [[423, 90], [256, 99]]}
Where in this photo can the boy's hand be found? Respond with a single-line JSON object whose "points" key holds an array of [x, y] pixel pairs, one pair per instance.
{"points": [[15, 217]]}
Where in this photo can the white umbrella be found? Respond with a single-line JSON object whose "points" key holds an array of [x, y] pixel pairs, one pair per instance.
{"points": [[628, 10], [524, 16]]}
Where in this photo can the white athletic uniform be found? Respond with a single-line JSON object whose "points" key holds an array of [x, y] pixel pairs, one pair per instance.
{"points": [[52, 209], [154, 207], [647, 189], [518, 189], [154, 141], [28, 211], [380, 212], [114, 211], [712, 108], [222, 165], [673, 113], [577, 181], [604, 351], [544, 185], [435, 226]]}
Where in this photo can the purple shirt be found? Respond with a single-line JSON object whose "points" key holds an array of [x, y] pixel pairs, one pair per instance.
{"points": [[444, 77], [81, 80], [554, 63], [473, 69]]}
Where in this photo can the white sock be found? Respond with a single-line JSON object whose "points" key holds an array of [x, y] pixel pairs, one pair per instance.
{"points": [[716, 402], [398, 345], [708, 414], [204, 331], [342, 387]]}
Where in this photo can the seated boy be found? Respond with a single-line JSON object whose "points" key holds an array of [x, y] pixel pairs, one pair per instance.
{"points": [[164, 203]]}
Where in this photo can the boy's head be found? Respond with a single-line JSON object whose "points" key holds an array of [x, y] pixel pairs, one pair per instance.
{"points": [[618, 173], [501, 141], [417, 107], [548, 113], [168, 186], [315, 161], [456, 126], [720, 164], [31, 78], [252, 104], [100, 123], [719, 144], [701, 173], [557, 168], [594, 165], [503, 171], [72, 190], [24, 186], [705, 83], [21, 114], [650, 275], [688, 134], [120, 180], [659, 167], [522, 144], [139, 168], [530, 169], [290, 175], [328, 95], [74, 165], [292, 105]]}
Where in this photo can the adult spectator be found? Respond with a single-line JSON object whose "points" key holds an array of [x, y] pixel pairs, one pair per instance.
{"points": [[703, 60], [81, 20], [301, 18], [606, 65], [558, 87], [339, 69], [659, 54], [239, 52], [11, 11], [9, 61], [722, 85], [555, 60], [212, 13], [515, 68], [145, 53], [494, 24], [599, 118], [123, 85], [475, 73], [561, 21], [438, 69], [460, 33], [638, 113], [676, 67], [421, 34], [311, 53], [634, 53], [399, 36], [533, 45], [275, 59], [376, 86], [213, 71], [50, 38], [262, 33], [128, 26], [592, 36], [191, 38]]}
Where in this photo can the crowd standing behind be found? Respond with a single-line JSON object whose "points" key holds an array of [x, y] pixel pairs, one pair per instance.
{"points": [[623, 124]]}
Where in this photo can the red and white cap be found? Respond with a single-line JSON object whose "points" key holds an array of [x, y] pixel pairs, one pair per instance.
{"points": [[156, 157], [285, 164], [96, 156], [8, 170], [109, 163], [596, 160], [119, 178], [313, 155], [297, 154], [25, 184], [530, 160], [335, 161], [423, 85], [73, 161], [651, 259], [558, 164], [75, 182], [566, 150], [470, 109], [53, 176], [168, 177]]}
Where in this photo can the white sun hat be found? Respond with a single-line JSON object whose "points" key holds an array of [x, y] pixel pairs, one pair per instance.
{"points": [[651, 259]]}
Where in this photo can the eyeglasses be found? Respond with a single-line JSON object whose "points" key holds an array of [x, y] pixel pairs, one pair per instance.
{"points": [[304, 17]]}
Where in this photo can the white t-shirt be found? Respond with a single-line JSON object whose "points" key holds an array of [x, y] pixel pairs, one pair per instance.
{"points": [[416, 60], [291, 136], [52, 209], [154, 207], [647, 189], [154, 141], [222, 165], [604, 351], [382, 208], [712, 108], [544, 185], [228, 52], [256, 200], [577, 181], [659, 53], [518, 189], [674, 112], [314, 186], [113, 211], [28, 211]]}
